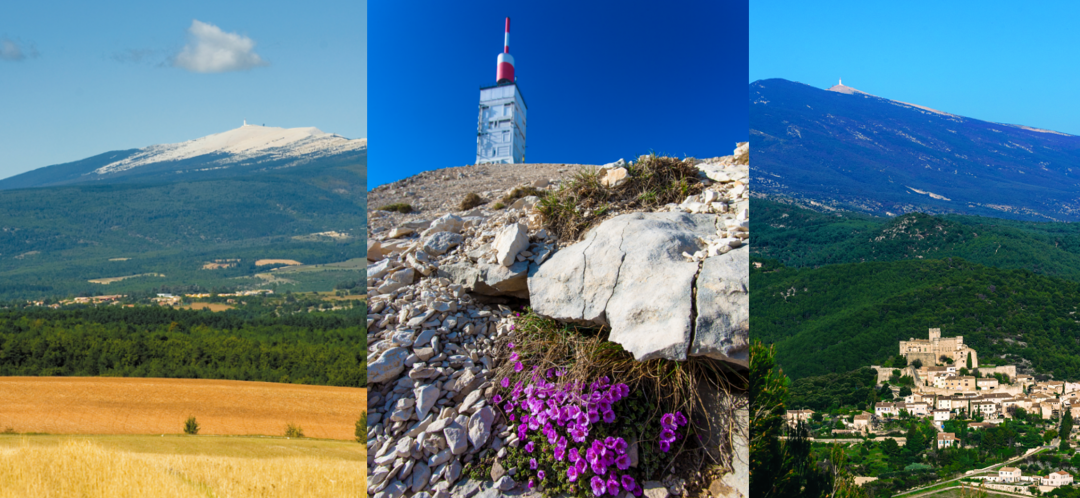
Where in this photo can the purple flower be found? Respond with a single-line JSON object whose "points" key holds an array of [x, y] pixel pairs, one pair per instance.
{"points": [[613, 485], [574, 455], [562, 442], [511, 417], [508, 407], [518, 367], [514, 357], [592, 455], [531, 484], [532, 463], [511, 345], [623, 462], [598, 486], [541, 475], [497, 399], [572, 473], [512, 326], [529, 447], [627, 483], [609, 417], [620, 445], [668, 420], [680, 419], [505, 382], [667, 435], [665, 446], [559, 453]]}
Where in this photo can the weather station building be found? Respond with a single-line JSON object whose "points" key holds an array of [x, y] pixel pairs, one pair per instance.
{"points": [[500, 132]]}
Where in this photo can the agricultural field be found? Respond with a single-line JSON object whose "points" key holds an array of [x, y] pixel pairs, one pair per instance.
{"points": [[215, 307], [112, 405], [179, 466]]}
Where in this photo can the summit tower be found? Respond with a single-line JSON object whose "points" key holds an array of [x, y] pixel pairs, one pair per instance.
{"points": [[500, 132]]}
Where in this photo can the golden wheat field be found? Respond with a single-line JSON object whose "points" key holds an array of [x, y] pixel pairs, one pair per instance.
{"points": [[110, 405], [85, 467]]}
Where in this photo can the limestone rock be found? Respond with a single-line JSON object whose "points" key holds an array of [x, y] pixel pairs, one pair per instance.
{"points": [[615, 177], [439, 243], [374, 250], [480, 426], [629, 273], [488, 279], [425, 399], [390, 363], [723, 308], [511, 241]]}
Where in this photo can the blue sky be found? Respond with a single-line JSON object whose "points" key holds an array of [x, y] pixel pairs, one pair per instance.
{"points": [[82, 78], [601, 80], [1007, 62]]}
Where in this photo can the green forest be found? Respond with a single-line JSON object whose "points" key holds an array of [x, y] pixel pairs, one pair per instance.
{"points": [[803, 238], [250, 343], [842, 317]]}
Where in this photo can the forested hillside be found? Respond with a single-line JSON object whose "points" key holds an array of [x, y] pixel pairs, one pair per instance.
{"points": [[842, 317], [54, 240], [805, 238]]}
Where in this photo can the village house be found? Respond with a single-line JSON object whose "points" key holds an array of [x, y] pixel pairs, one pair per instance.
{"points": [[1009, 474], [884, 409], [942, 415], [1059, 478], [861, 422], [988, 384], [795, 416], [947, 440]]}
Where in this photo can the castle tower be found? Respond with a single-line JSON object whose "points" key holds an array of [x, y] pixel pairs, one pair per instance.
{"points": [[500, 131]]}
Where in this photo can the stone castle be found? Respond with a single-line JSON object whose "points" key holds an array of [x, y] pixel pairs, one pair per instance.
{"points": [[930, 351]]}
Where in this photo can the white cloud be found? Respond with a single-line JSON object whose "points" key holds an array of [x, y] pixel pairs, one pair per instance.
{"points": [[211, 50], [10, 50]]}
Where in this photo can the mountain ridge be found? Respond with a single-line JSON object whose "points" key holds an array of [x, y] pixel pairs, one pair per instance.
{"points": [[240, 151], [831, 149]]}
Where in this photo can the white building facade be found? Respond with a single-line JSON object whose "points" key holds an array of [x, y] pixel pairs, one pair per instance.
{"points": [[500, 133]]}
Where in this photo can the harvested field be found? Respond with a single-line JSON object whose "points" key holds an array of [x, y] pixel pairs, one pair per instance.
{"points": [[111, 405], [351, 264], [107, 281], [85, 467], [264, 262], [207, 306]]}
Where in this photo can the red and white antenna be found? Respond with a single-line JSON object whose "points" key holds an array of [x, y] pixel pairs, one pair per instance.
{"points": [[505, 72]]}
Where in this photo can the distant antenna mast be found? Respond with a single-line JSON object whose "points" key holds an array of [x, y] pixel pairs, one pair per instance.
{"points": [[841, 81], [245, 122]]}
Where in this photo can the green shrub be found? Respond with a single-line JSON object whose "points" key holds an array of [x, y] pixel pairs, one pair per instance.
{"points": [[294, 431], [400, 207], [470, 201], [498, 205], [361, 428], [191, 426]]}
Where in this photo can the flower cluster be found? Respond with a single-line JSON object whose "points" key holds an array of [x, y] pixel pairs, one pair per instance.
{"points": [[669, 423], [565, 415]]}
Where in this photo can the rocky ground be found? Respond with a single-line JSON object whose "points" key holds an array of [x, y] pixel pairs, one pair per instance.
{"points": [[443, 283]]}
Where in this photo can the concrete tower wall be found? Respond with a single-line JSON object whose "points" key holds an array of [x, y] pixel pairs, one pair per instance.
{"points": [[500, 136]]}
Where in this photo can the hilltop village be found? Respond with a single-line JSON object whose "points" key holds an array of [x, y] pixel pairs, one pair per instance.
{"points": [[939, 381]]}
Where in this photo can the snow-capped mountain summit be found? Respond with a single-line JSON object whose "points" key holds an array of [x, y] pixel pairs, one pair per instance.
{"points": [[244, 143], [244, 150]]}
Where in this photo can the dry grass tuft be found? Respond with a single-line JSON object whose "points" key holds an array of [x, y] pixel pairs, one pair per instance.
{"points": [[399, 207], [83, 468], [471, 200], [652, 181]]}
